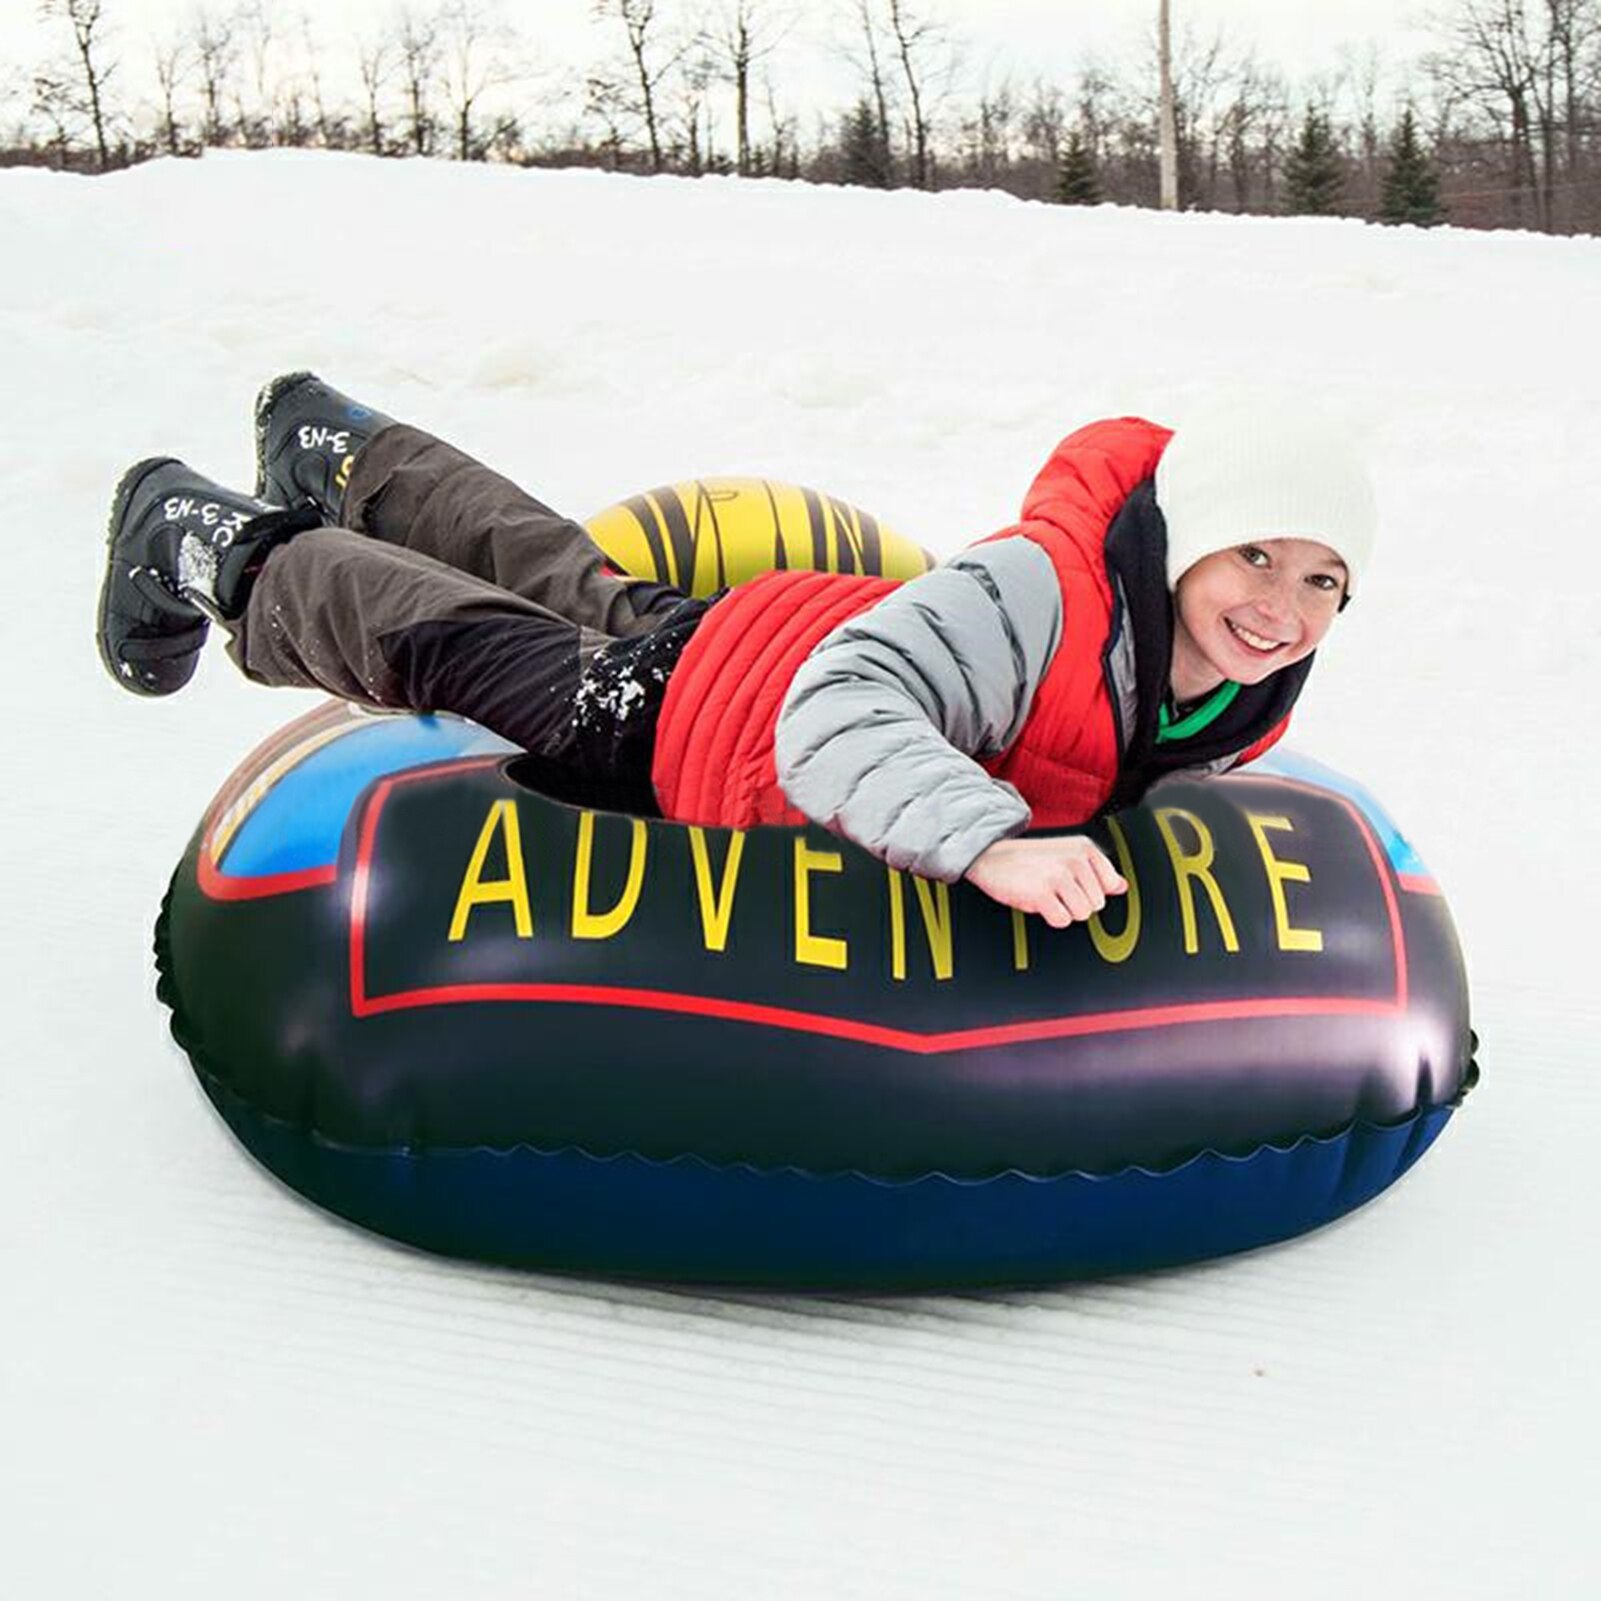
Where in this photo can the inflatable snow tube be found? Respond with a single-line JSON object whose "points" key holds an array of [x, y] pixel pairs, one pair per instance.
{"points": [[469, 1015], [707, 533]]}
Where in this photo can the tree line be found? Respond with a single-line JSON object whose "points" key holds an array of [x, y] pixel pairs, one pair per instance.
{"points": [[1497, 125]]}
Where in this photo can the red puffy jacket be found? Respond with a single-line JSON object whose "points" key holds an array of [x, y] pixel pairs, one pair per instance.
{"points": [[714, 761]]}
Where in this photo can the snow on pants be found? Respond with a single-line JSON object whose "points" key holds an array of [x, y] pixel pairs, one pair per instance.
{"points": [[448, 588]]}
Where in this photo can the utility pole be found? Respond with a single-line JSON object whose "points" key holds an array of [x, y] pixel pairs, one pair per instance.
{"points": [[1167, 122]]}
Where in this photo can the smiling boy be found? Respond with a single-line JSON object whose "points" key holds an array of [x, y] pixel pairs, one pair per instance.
{"points": [[1155, 611]]}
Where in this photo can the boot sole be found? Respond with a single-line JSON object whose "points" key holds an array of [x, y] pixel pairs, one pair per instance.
{"points": [[271, 393]]}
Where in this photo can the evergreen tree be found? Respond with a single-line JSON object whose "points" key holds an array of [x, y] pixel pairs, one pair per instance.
{"points": [[864, 146], [1077, 182], [1313, 173], [1411, 183]]}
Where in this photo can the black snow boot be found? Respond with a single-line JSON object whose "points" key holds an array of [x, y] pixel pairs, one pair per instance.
{"points": [[180, 550], [307, 436]]}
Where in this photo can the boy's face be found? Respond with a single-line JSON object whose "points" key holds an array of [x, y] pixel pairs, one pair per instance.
{"points": [[1246, 612]]}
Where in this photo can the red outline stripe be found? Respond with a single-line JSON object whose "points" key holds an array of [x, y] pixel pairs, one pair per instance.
{"points": [[219, 887], [364, 1005], [875, 1033]]}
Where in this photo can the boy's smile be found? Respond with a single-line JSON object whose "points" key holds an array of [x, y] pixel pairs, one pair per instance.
{"points": [[1244, 613]]}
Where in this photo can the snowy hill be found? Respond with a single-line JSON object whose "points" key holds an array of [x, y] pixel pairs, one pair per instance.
{"points": [[210, 1387]]}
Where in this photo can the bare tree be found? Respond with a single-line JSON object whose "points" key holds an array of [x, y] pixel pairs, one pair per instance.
{"points": [[1277, 133], [1251, 128], [922, 49], [56, 99], [254, 29], [1488, 64], [650, 64], [216, 54], [871, 67], [375, 62], [607, 100], [173, 64], [1359, 81], [82, 88], [1567, 85], [696, 149], [476, 44], [1044, 123], [1098, 107], [293, 126], [987, 134], [784, 159], [417, 49], [744, 33], [324, 121], [1575, 62]]}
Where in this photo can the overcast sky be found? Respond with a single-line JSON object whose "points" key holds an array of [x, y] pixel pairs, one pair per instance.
{"points": [[1024, 37]]}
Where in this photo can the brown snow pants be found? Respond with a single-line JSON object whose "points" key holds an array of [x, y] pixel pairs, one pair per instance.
{"points": [[448, 588]]}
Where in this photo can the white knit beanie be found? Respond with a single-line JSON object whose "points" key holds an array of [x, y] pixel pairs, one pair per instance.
{"points": [[1243, 474]]}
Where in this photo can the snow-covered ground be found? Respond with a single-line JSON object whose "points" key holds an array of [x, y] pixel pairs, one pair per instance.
{"points": [[209, 1388]]}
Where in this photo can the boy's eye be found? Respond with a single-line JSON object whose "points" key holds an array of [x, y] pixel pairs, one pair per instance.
{"points": [[1325, 581], [1252, 552]]}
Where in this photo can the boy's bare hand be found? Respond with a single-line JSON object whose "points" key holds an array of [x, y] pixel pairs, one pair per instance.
{"points": [[1064, 879]]}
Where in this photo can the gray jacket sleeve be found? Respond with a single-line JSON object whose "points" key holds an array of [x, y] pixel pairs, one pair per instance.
{"points": [[879, 729]]}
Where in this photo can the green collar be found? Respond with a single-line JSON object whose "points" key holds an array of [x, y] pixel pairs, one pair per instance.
{"points": [[1170, 727]]}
